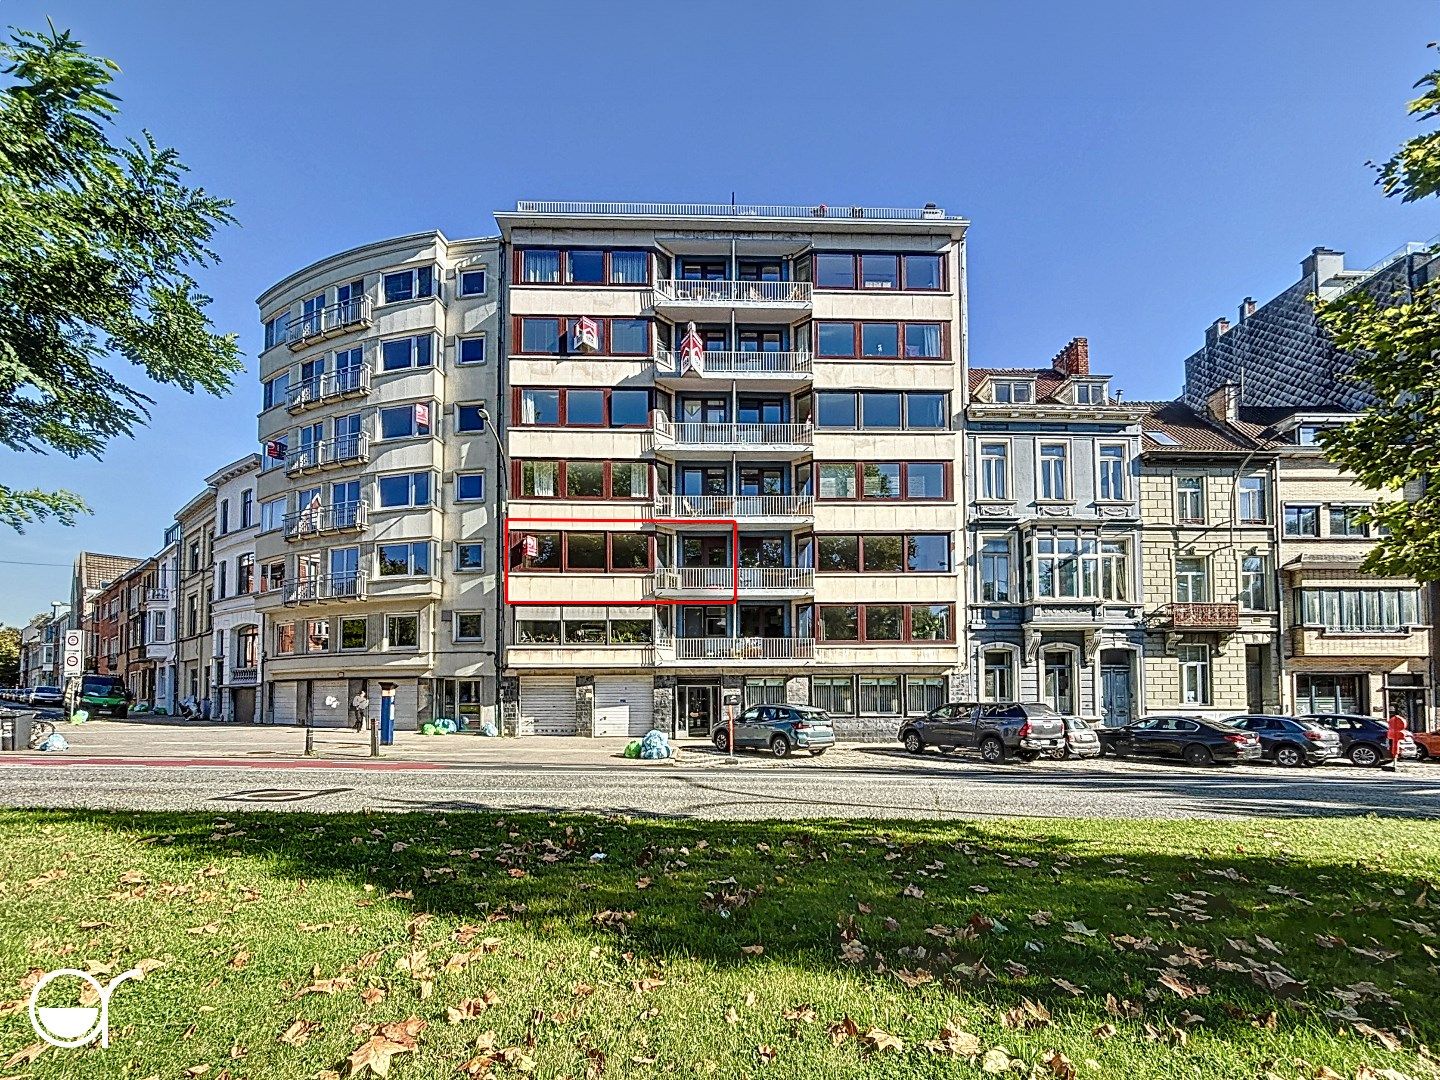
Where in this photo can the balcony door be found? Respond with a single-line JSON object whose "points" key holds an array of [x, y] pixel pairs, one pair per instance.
{"points": [[763, 410], [345, 503], [704, 410], [701, 269], [762, 551], [1060, 681], [705, 480], [344, 570], [760, 339], [763, 480], [705, 551], [709, 621], [762, 620]]}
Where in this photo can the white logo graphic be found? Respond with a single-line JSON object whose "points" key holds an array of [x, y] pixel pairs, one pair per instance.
{"points": [[78, 1024]]}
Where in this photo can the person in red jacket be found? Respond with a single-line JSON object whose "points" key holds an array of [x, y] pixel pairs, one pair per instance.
{"points": [[1394, 735]]}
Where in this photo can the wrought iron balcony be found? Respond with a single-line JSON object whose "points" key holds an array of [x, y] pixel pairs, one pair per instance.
{"points": [[703, 436], [1205, 616], [329, 321], [331, 386], [328, 587], [721, 649], [734, 506], [742, 364], [343, 450], [330, 518]]}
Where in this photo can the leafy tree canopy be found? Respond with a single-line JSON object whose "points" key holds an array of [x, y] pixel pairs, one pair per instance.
{"points": [[97, 240]]}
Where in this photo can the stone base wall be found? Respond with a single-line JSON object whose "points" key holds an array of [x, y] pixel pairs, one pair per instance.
{"points": [[876, 729]]}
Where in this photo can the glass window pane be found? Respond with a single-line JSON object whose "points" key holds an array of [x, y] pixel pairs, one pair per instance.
{"points": [[922, 271], [629, 551], [922, 340], [839, 623], [883, 622], [929, 553], [629, 267], [586, 267], [537, 479], [629, 408], [882, 479], [835, 410], [540, 266], [925, 480], [470, 557], [835, 338], [585, 551], [925, 412], [585, 479], [395, 354], [539, 335], [837, 481], [838, 553], [586, 407], [632, 631], [880, 271], [540, 407], [468, 418], [835, 271], [629, 337], [879, 410], [883, 554], [472, 282], [629, 480], [880, 339], [470, 487], [931, 623]]}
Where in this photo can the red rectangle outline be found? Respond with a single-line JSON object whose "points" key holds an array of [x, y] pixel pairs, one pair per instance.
{"points": [[730, 601]]}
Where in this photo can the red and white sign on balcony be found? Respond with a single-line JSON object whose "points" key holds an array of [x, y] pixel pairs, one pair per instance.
{"points": [[532, 547], [275, 448], [586, 335], [692, 350], [422, 416]]}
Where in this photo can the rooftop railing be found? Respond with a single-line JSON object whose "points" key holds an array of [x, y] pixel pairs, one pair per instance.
{"points": [[743, 210]]}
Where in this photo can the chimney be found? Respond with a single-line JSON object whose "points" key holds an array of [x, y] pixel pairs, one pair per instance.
{"points": [[1074, 358], [1223, 403], [1247, 308], [1322, 264], [1218, 327]]}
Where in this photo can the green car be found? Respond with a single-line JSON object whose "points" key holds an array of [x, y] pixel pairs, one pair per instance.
{"points": [[99, 692]]}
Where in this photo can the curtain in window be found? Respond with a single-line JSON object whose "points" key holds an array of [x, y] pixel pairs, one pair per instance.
{"points": [[629, 267], [639, 474], [542, 478], [922, 339], [834, 695], [540, 266], [924, 693], [880, 696]]}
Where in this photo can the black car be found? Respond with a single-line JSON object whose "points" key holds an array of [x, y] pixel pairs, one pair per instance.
{"points": [[1289, 741], [1192, 739], [1363, 739]]}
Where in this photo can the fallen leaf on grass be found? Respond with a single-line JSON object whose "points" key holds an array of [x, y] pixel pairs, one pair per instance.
{"points": [[1104, 1031], [996, 1060], [1172, 981], [372, 995], [239, 960], [1028, 1014], [842, 1029], [753, 950], [197, 1070], [1384, 1038], [765, 1054], [517, 1059], [470, 1008], [374, 1056], [25, 1055], [955, 1042], [878, 1041], [298, 1032], [801, 1014], [1059, 1065], [731, 1016], [1068, 987], [913, 891], [327, 986]]}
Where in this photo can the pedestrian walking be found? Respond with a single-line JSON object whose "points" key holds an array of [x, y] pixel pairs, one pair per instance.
{"points": [[1394, 735], [359, 705]]}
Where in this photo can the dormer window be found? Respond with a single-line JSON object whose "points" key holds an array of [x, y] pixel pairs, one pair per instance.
{"points": [[1309, 434], [1013, 392], [1089, 393]]}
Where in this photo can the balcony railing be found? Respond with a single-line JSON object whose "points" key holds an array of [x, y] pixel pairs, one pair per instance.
{"points": [[349, 586], [347, 382], [328, 321], [732, 293], [157, 596], [736, 648], [336, 451], [644, 209], [739, 364], [734, 506], [1205, 616], [722, 579], [751, 436], [244, 676], [334, 517]]}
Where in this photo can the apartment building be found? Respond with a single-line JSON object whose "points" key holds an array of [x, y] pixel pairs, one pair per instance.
{"points": [[732, 435], [1209, 556], [1054, 552], [194, 592], [137, 668], [40, 647], [162, 621], [93, 574], [235, 649], [375, 549]]}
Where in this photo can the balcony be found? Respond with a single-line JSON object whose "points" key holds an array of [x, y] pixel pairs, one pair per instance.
{"points": [[321, 589], [324, 520], [736, 650], [332, 386], [157, 596], [751, 508], [244, 676], [1353, 644], [782, 301], [1205, 616], [765, 438], [159, 650], [329, 322], [347, 449], [746, 365], [718, 582]]}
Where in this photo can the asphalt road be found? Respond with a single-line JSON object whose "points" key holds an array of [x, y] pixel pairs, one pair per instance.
{"points": [[856, 783]]}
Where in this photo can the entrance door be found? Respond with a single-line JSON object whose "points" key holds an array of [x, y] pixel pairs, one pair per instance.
{"points": [[1059, 682], [1255, 679], [698, 708], [1115, 686], [1408, 703]]}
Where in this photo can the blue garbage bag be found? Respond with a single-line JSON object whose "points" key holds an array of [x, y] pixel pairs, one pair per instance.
{"points": [[654, 746], [447, 726], [489, 730], [54, 743]]}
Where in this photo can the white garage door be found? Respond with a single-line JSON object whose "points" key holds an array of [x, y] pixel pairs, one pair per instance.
{"points": [[407, 706], [547, 706], [283, 709], [623, 704], [322, 693]]}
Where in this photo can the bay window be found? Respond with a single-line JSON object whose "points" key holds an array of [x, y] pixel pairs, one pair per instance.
{"points": [[1360, 611]]}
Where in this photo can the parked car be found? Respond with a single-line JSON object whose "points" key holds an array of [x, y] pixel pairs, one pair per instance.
{"points": [[98, 692], [1290, 741], [1192, 739], [44, 696], [1081, 740], [779, 729], [1363, 739], [1427, 745], [996, 728]]}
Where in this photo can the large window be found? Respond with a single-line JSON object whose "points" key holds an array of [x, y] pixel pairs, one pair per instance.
{"points": [[995, 470], [402, 285], [398, 354], [1054, 472], [1065, 566], [1302, 521], [874, 270], [1190, 500], [1324, 693], [999, 674], [581, 552], [411, 559], [904, 480], [402, 631], [1254, 575], [1194, 674], [556, 336], [1253, 503], [608, 626], [879, 695], [406, 421], [995, 569], [582, 266], [833, 693], [1114, 570], [1360, 611], [1192, 580], [839, 623], [581, 479], [404, 489], [1345, 521], [923, 693], [582, 407], [272, 514], [882, 410], [919, 553], [1113, 467], [880, 340]]}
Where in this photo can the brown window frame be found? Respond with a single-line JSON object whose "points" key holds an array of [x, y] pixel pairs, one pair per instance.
{"points": [[565, 567], [900, 325], [901, 275], [862, 625], [904, 545], [517, 394], [860, 497], [562, 477], [566, 324], [518, 261]]}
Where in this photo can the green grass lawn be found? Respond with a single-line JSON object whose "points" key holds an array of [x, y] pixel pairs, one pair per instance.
{"points": [[279, 945]]}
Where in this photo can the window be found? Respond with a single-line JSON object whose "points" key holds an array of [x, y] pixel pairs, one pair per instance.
{"points": [[1112, 473], [404, 489], [1194, 674], [405, 421], [407, 352], [539, 266], [583, 408], [836, 410], [1345, 521], [585, 480], [880, 480], [924, 693], [930, 622], [1191, 581], [224, 516], [469, 626], [1190, 500], [838, 481], [873, 270], [833, 693], [470, 487], [272, 514], [923, 272], [879, 695], [317, 635], [413, 284], [277, 390], [472, 282], [1302, 521], [411, 559], [245, 573], [884, 340], [469, 419], [1253, 575], [879, 409], [1054, 481], [585, 267], [1065, 566], [1012, 392], [999, 674], [581, 551], [629, 480], [272, 576], [544, 266], [540, 336], [285, 638], [402, 631], [353, 633], [277, 330], [469, 557], [247, 508], [839, 622], [1360, 611], [995, 569], [629, 337], [1253, 501], [220, 592], [471, 350], [1114, 570], [923, 553], [834, 271], [538, 479], [629, 408], [994, 470], [1090, 393], [765, 690], [540, 407], [1309, 434], [838, 554]]}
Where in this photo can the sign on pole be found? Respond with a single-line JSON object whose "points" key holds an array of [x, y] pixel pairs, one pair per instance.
{"points": [[74, 659]]}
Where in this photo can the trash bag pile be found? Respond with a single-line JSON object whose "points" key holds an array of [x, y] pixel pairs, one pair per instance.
{"points": [[55, 743], [654, 746], [489, 730], [443, 726], [79, 716], [632, 748]]}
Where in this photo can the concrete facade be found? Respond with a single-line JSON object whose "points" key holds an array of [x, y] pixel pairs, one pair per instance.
{"points": [[235, 647]]}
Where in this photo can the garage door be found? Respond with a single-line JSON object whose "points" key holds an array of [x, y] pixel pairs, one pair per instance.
{"points": [[407, 706], [282, 708], [547, 706], [330, 702], [623, 704]]}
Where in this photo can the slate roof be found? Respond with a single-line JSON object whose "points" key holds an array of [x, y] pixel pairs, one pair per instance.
{"points": [[1047, 381]]}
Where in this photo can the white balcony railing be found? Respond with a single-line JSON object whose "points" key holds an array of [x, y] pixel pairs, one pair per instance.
{"points": [[756, 436], [243, 676], [335, 451], [350, 586], [334, 517], [723, 579], [734, 506], [157, 596], [736, 648], [328, 387], [329, 320], [732, 293], [643, 209], [739, 364]]}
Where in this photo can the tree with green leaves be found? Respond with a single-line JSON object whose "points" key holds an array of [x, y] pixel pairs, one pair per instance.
{"points": [[9, 656], [1394, 446], [97, 242]]}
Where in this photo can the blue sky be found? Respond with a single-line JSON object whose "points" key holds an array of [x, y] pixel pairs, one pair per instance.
{"points": [[1131, 169]]}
